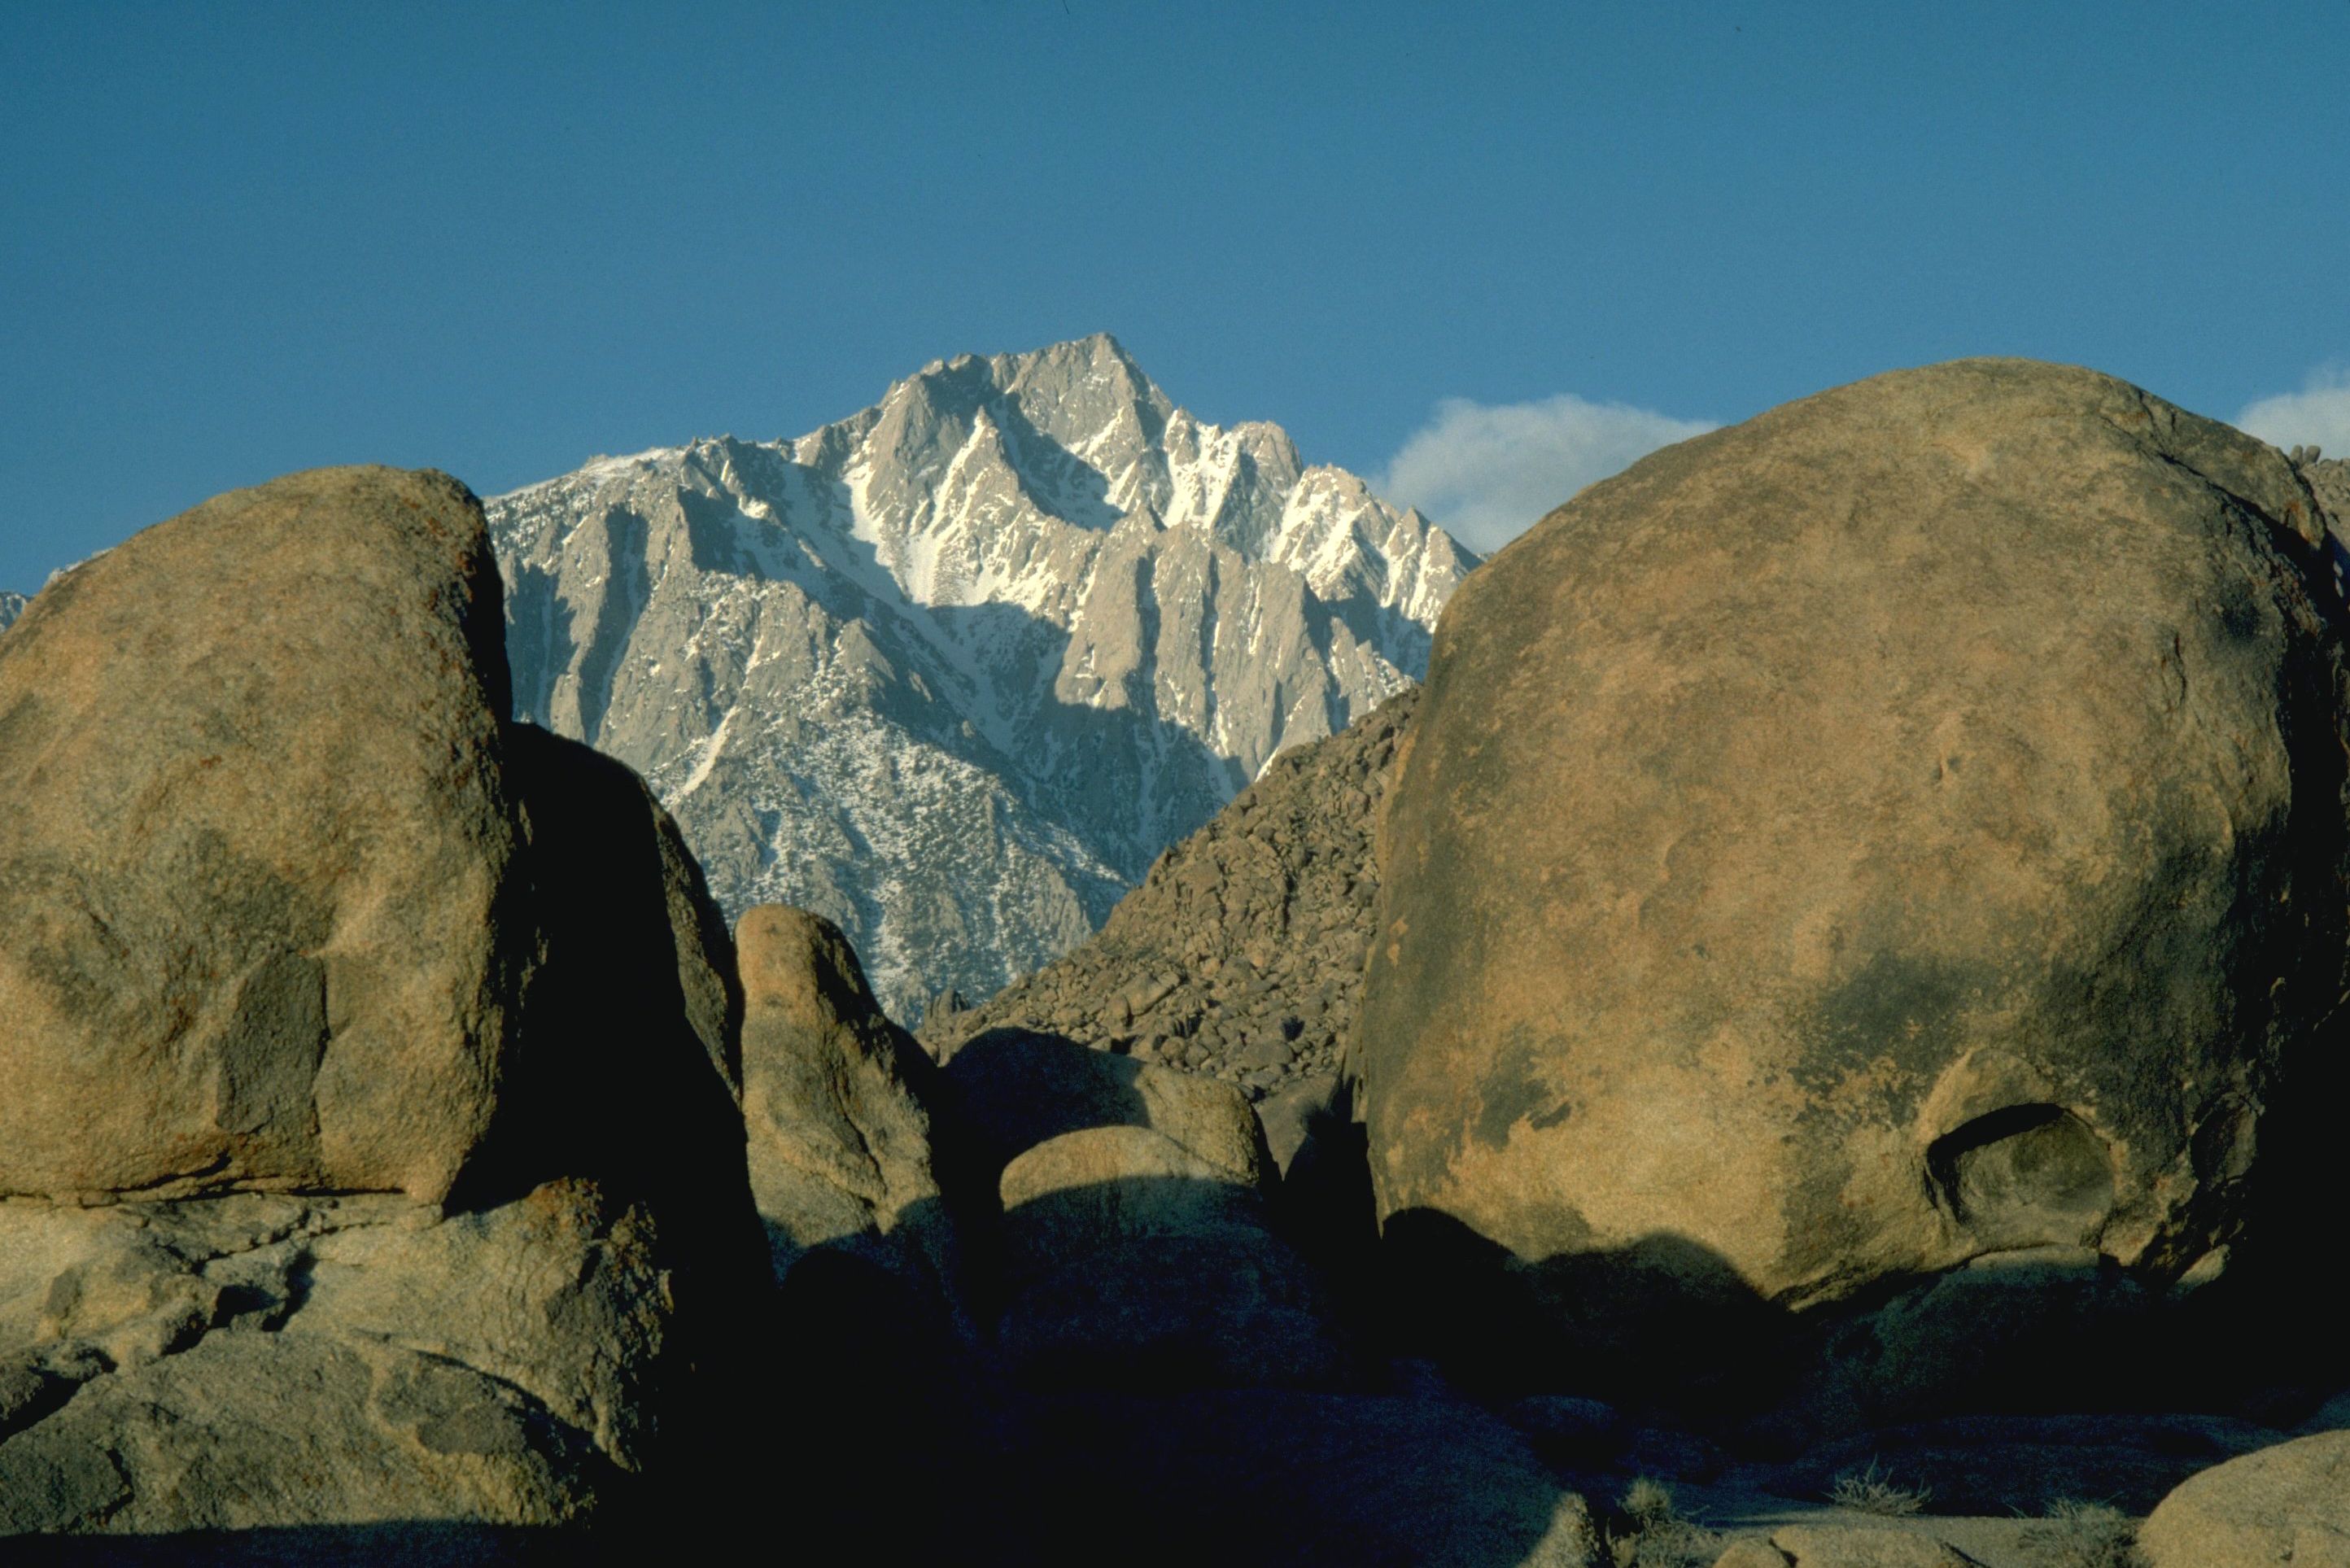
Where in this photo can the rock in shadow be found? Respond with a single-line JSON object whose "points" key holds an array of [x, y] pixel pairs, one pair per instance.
{"points": [[1131, 1265], [625, 1074], [1667, 1327], [1664, 1322], [882, 1423], [1266, 1476], [2005, 1465]]}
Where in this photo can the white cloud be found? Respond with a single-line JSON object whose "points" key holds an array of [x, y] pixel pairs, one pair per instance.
{"points": [[1488, 471], [2318, 415]]}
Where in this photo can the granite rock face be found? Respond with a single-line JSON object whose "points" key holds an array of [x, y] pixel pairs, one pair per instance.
{"points": [[261, 1359], [1902, 829], [337, 806], [1135, 1223], [950, 672], [2290, 1503], [2328, 478], [835, 1099], [259, 922]]}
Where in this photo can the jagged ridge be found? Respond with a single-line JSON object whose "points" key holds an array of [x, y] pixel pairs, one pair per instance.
{"points": [[954, 670]]}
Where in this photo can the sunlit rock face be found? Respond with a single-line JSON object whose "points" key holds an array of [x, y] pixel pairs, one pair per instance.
{"points": [[1902, 829], [953, 671]]}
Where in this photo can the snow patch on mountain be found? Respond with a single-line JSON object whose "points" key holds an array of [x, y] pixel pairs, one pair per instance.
{"points": [[954, 670]]}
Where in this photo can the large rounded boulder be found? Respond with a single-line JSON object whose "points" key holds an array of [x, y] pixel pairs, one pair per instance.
{"points": [[1906, 828], [287, 905], [256, 856]]}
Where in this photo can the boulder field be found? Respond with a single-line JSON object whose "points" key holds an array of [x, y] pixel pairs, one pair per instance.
{"points": [[1773, 1057]]}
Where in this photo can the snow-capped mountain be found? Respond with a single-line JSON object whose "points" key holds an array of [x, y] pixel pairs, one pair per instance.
{"points": [[954, 670], [11, 607]]}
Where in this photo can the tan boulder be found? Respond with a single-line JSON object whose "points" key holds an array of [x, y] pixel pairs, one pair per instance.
{"points": [[261, 1360], [1750, 1552], [1901, 829], [833, 1097], [258, 925], [1845, 1547], [2290, 1503]]}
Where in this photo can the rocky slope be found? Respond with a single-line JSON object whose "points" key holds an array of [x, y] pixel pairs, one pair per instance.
{"points": [[1241, 955], [952, 671], [2328, 478]]}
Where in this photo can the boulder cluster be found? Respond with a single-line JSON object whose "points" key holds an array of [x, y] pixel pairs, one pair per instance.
{"points": [[1813, 1039], [369, 1062]]}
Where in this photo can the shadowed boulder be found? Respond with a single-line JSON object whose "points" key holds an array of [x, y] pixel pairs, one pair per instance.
{"points": [[1132, 1261], [1902, 828], [836, 1099]]}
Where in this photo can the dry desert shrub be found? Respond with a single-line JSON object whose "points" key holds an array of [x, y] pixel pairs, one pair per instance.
{"points": [[1652, 1533], [2076, 1534], [1874, 1490]]}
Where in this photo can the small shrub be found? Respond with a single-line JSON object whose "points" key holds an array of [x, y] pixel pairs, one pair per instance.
{"points": [[1653, 1534], [1872, 1491], [2076, 1534], [1648, 1502]]}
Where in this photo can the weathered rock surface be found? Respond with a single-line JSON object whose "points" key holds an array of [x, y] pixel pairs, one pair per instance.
{"points": [[257, 912], [2328, 478], [2290, 1504], [834, 1098], [1902, 828], [227, 1363], [1241, 955], [1137, 1239], [342, 810], [952, 671]]}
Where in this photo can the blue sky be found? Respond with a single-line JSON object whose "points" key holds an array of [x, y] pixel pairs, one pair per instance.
{"points": [[240, 240]]}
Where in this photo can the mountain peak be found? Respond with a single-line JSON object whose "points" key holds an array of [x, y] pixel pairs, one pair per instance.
{"points": [[954, 669]]}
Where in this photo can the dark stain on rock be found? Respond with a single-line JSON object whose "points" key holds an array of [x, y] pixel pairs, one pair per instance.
{"points": [[1512, 1092], [1906, 1009], [268, 1055]]}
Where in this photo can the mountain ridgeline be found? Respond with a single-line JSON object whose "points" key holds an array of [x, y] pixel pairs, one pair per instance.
{"points": [[954, 670]]}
